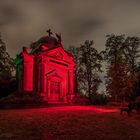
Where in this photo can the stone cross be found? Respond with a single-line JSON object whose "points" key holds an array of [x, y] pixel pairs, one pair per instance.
{"points": [[49, 32]]}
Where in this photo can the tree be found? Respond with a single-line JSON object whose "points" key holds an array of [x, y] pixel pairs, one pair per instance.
{"points": [[114, 48], [6, 62], [120, 82], [137, 83], [113, 51], [90, 66], [75, 51], [131, 52], [121, 56]]}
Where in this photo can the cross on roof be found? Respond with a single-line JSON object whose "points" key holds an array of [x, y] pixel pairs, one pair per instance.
{"points": [[49, 32]]}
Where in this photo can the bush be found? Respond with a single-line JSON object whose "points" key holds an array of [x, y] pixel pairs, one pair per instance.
{"points": [[81, 100], [99, 99], [7, 87], [113, 103], [17, 98]]}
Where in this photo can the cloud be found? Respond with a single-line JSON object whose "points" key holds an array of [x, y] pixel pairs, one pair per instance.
{"points": [[7, 15], [23, 21], [10, 14]]}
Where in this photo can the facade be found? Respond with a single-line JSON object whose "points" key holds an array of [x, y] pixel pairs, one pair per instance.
{"points": [[48, 70]]}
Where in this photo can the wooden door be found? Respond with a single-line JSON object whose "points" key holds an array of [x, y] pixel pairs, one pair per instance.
{"points": [[55, 91]]}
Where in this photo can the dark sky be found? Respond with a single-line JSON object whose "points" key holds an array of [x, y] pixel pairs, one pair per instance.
{"points": [[24, 21]]}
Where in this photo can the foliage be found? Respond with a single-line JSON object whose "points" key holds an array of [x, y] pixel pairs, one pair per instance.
{"points": [[137, 83], [88, 62], [121, 81], [131, 52], [122, 55], [22, 99], [100, 99], [114, 48], [8, 86], [6, 62], [81, 100]]}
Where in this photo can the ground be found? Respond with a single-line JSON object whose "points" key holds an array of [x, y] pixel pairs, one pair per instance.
{"points": [[68, 123]]}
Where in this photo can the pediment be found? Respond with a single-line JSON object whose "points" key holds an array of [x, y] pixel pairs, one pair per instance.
{"points": [[53, 76], [61, 54]]}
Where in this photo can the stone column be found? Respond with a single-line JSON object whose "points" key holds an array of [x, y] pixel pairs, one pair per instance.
{"points": [[71, 86], [48, 88], [71, 78], [28, 74], [38, 79], [42, 77]]}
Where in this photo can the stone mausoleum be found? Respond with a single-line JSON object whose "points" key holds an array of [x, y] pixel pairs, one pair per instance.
{"points": [[47, 69]]}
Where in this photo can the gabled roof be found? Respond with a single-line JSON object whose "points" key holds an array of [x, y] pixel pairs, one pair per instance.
{"points": [[51, 47], [59, 53]]}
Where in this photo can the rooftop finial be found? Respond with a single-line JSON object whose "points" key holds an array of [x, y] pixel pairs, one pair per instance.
{"points": [[49, 32]]}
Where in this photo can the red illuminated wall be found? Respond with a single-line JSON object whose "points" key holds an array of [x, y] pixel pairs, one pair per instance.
{"points": [[49, 72], [28, 64]]}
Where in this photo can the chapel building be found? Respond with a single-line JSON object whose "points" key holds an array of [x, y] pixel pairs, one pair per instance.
{"points": [[47, 70]]}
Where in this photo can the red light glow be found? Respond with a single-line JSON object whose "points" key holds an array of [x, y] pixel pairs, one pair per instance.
{"points": [[48, 71], [98, 109]]}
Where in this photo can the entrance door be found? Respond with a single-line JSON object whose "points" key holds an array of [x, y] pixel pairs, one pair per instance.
{"points": [[55, 91]]}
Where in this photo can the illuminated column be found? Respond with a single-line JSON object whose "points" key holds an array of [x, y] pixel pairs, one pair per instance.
{"points": [[71, 82], [48, 88], [28, 73], [19, 74], [71, 86], [41, 78]]}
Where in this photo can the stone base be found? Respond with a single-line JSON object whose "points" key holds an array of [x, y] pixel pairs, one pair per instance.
{"points": [[70, 98], [51, 100]]}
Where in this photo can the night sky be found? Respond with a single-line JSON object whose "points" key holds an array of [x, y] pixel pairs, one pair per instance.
{"points": [[24, 21]]}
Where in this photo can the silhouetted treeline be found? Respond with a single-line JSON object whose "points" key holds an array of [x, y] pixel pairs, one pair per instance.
{"points": [[121, 55], [89, 63], [122, 58]]}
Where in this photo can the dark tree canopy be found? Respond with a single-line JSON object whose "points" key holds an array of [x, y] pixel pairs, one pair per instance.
{"points": [[122, 55], [88, 62], [131, 52], [6, 62]]}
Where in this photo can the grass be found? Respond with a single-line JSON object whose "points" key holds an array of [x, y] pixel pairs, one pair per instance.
{"points": [[68, 123]]}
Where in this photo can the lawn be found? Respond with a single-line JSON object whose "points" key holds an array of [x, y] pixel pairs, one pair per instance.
{"points": [[68, 123]]}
